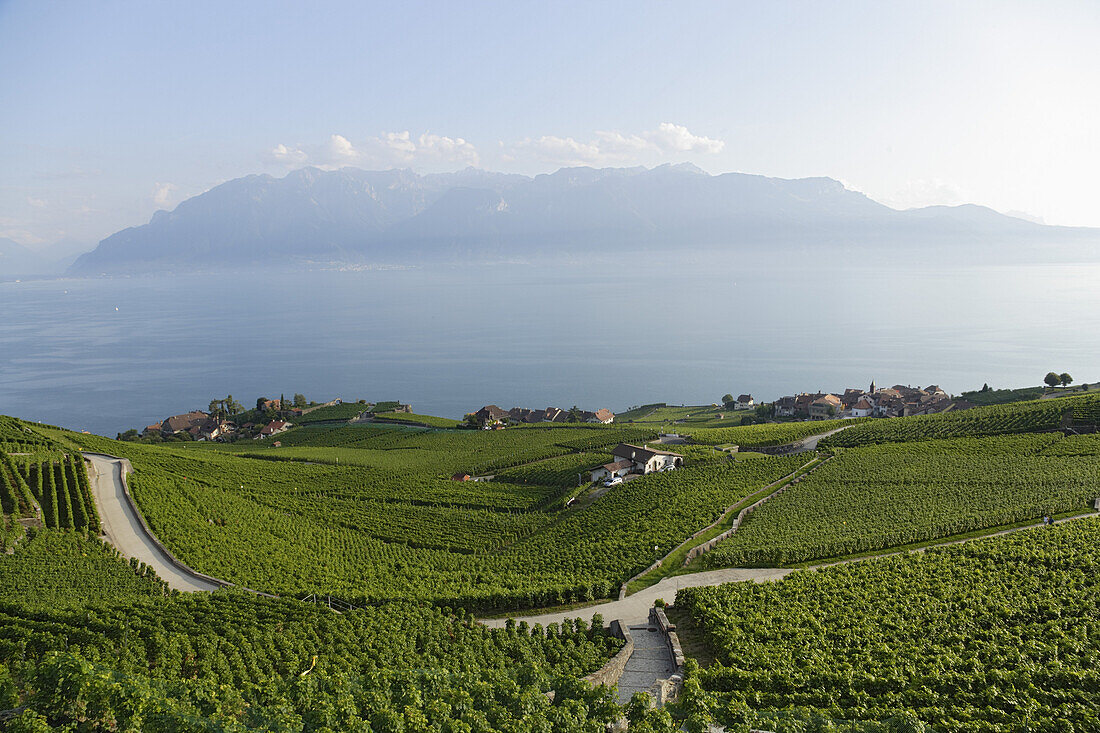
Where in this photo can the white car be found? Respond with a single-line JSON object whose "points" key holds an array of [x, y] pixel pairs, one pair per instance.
{"points": [[613, 481]]}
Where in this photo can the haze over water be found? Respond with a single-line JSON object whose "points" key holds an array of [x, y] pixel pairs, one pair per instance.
{"points": [[450, 340]]}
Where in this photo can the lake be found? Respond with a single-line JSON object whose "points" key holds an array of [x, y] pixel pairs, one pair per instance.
{"points": [[108, 354]]}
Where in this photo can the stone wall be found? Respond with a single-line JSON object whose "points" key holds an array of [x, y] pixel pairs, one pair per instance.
{"points": [[668, 690], [610, 673], [709, 544]]}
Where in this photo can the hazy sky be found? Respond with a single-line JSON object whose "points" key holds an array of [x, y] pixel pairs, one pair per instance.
{"points": [[109, 111]]}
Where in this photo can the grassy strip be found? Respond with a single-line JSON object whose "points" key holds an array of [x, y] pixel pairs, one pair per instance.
{"points": [[913, 546], [673, 563], [413, 419]]}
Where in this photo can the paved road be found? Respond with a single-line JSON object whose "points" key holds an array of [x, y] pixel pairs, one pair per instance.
{"points": [[124, 530], [651, 661], [810, 443], [634, 609]]}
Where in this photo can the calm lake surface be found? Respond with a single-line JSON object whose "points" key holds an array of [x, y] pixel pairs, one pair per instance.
{"points": [[108, 354]]}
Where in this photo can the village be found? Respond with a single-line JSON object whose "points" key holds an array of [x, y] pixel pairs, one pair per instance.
{"points": [[225, 420], [897, 401]]}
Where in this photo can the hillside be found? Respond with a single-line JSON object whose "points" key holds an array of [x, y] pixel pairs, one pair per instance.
{"points": [[399, 217], [368, 514]]}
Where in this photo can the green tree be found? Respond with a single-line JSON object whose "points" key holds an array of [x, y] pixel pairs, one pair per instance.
{"points": [[1052, 379], [1065, 379], [300, 401], [727, 401], [574, 414]]}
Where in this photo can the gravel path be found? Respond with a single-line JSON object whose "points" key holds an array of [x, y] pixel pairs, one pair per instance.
{"points": [[125, 531]]}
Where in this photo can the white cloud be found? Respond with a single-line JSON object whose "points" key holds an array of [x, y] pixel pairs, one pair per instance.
{"points": [[611, 147], [429, 150], [676, 138], [389, 149], [289, 156], [922, 192], [162, 193], [36, 203]]}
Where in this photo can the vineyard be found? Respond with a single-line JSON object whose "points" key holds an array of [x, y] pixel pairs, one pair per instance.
{"points": [[895, 494], [344, 411], [994, 635], [53, 569], [85, 637], [1019, 417], [382, 524], [768, 434]]}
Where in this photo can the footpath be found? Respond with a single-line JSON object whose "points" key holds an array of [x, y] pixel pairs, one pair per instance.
{"points": [[126, 529]]}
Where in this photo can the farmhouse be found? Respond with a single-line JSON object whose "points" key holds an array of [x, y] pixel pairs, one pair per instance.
{"points": [[616, 468], [646, 460], [862, 408], [183, 423], [490, 415], [784, 407], [824, 407], [743, 402], [274, 428], [602, 415]]}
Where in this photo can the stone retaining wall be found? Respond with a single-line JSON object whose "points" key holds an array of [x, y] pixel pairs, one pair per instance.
{"points": [[610, 673], [709, 544], [668, 690]]}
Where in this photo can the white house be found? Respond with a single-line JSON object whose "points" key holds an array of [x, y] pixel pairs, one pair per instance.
{"points": [[646, 460], [607, 470], [744, 402], [862, 408]]}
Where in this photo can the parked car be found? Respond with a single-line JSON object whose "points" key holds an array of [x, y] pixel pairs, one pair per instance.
{"points": [[614, 480]]}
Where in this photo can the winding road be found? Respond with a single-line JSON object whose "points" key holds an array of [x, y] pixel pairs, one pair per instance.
{"points": [[125, 530]]}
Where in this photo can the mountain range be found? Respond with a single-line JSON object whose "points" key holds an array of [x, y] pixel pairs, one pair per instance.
{"points": [[398, 216]]}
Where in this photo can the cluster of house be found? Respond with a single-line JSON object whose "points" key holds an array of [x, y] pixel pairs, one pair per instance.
{"points": [[897, 401], [639, 459], [492, 416], [202, 426]]}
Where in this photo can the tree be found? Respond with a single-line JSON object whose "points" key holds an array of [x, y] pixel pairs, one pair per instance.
{"points": [[260, 403], [985, 387], [232, 407], [471, 420], [727, 400], [574, 414], [1065, 379], [1052, 379], [300, 401]]}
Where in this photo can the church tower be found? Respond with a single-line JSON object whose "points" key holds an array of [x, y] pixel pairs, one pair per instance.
{"points": [[872, 390]]}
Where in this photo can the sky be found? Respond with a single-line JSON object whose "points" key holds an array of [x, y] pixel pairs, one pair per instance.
{"points": [[112, 110]]}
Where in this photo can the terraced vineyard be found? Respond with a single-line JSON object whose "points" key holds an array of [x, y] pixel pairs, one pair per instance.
{"points": [[55, 569], [996, 635], [368, 534], [87, 638], [1019, 417], [895, 494], [767, 434]]}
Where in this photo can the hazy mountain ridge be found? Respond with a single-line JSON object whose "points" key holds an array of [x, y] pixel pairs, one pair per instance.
{"points": [[398, 216]]}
